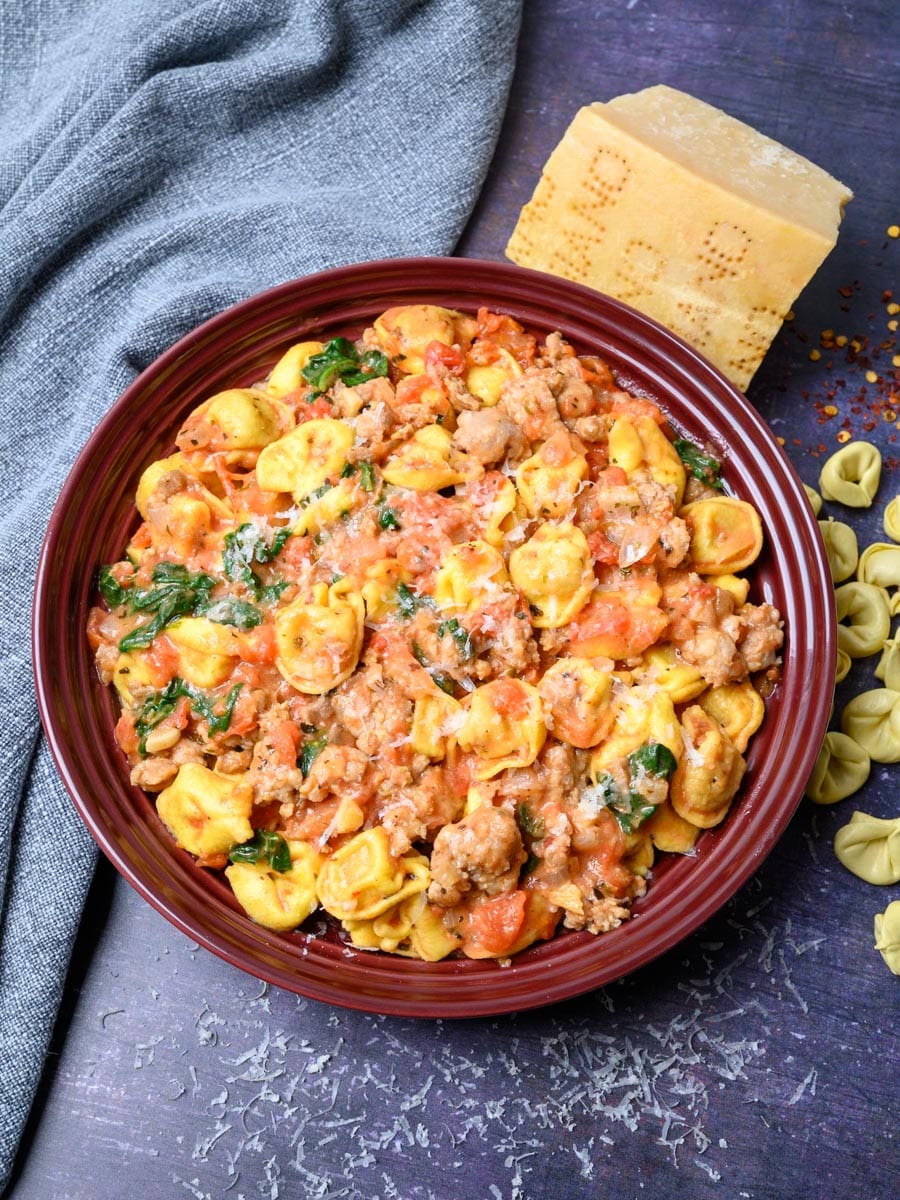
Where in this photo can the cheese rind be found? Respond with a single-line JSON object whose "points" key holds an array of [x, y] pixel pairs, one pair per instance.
{"points": [[687, 214]]}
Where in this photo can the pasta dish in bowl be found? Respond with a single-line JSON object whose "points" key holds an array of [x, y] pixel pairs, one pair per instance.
{"points": [[442, 630]]}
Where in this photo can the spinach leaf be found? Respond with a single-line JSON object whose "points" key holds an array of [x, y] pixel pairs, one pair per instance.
{"points": [[310, 751], [339, 359], [246, 546], [229, 611], [387, 519], [110, 589], [653, 758], [529, 823], [460, 635], [160, 705], [264, 846], [409, 602], [702, 466], [174, 593], [631, 811]]}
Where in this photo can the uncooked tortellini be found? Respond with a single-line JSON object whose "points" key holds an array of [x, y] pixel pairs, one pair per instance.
{"points": [[844, 663], [851, 476], [879, 563], [891, 519], [814, 498], [870, 848], [888, 669], [864, 608], [873, 719], [841, 547], [841, 769], [887, 935]]}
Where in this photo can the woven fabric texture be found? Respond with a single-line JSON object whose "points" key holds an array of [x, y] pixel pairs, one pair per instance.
{"points": [[159, 162]]}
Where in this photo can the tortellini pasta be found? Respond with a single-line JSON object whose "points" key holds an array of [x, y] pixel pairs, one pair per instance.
{"points": [[305, 458], [638, 441], [554, 572], [487, 380], [887, 936], [870, 848], [873, 720], [577, 698], [363, 879], [891, 519], [470, 573], [279, 900], [319, 638], [206, 813], [287, 374], [841, 769], [726, 534], [841, 547], [709, 773], [427, 462], [852, 475], [814, 498], [504, 726], [879, 564], [888, 669], [549, 481], [864, 618], [405, 333]]}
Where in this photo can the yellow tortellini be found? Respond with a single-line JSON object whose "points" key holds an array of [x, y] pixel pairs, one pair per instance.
{"points": [[887, 935], [496, 511], [243, 418], [864, 618], [841, 769], [324, 508], [873, 720], [486, 381], [643, 713], [726, 534], [888, 669], [709, 773], [436, 717], [549, 481], [870, 848], [842, 665], [737, 707], [205, 649], [662, 666], [470, 574], [363, 879], [851, 475], [378, 587], [554, 571], [577, 699], [133, 676], [636, 442], [504, 726], [319, 637], [841, 548], [390, 931], [305, 458], [287, 374], [427, 462], [891, 519], [206, 813], [814, 498], [278, 900], [669, 832], [879, 563], [405, 332]]}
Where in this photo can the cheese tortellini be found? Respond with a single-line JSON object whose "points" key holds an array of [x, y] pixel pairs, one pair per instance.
{"points": [[841, 769], [554, 572], [887, 936], [864, 618], [841, 547], [870, 848], [852, 475], [872, 719], [319, 638]]}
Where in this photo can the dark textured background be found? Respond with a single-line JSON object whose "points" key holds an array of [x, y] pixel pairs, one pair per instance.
{"points": [[758, 1059]]}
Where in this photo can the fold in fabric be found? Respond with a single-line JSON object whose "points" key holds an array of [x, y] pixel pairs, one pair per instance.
{"points": [[157, 164]]}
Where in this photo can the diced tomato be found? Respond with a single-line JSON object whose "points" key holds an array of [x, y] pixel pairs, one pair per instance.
{"points": [[449, 357], [509, 699], [163, 660], [309, 411], [508, 334], [126, 734], [494, 925], [258, 645], [602, 549]]}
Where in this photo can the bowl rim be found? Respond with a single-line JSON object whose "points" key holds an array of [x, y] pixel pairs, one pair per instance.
{"points": [[566, 966]]}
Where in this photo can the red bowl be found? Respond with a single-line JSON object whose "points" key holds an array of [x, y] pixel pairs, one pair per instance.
{"points": [[94, 516]]}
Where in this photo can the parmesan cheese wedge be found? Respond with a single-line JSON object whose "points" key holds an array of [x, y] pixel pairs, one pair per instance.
{"points": [[687, 214]]}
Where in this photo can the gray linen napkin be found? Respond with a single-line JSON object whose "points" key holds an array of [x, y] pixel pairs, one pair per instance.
{"points": [[159, 162]]}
